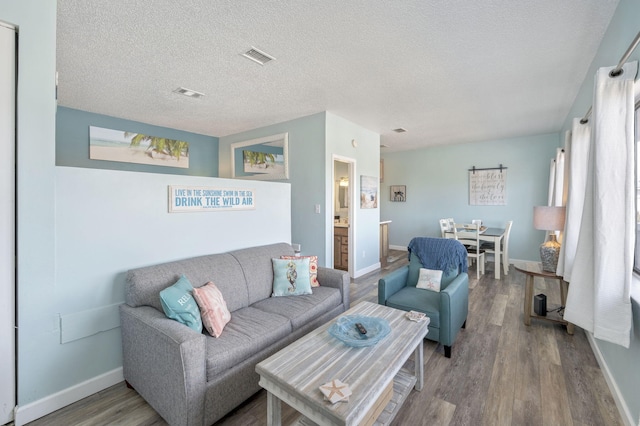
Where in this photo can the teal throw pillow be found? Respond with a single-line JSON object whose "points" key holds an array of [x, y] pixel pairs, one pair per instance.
{"points": [[291, 277], [178, 304]]}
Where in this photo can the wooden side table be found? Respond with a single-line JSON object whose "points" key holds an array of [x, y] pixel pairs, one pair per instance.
{"points": [[532, 270]]}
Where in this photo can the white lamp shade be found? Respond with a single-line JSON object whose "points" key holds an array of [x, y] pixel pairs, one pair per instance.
{"points": [[548, 218]]}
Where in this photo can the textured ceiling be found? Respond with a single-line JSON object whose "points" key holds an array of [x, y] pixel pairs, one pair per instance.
{"points": [[448, 72]]}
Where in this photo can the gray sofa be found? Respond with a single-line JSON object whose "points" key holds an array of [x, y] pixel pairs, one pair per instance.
{"points": [[192, 378]]}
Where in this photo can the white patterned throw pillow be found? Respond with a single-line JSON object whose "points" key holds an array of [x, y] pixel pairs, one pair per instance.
{"points": [[429, 279]]}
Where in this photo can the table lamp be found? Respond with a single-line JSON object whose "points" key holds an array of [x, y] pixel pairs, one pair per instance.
{"points": [[548, 218]]}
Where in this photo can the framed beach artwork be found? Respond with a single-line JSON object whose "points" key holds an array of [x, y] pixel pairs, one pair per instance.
{"points": [[264, 158], [369, 192], [130, 147]]}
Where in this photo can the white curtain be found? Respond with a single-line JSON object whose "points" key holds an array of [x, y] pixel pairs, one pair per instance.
{"points": [[556, 185], [552, 182], [556, 179], [567, 166], [599, 294], [578, 147], [558, 189]]}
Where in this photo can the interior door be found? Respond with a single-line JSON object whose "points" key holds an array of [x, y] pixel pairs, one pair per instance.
{"points": [[7, 222], [343, 199]]}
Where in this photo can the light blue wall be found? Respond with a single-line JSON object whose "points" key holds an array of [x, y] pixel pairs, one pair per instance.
{"points": [[312, 142], [365, 222], [437, 181], [306, 175], [37, 323], [623, 364], [72, 144]]}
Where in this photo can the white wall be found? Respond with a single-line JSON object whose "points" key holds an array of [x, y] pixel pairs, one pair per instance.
{"points": [[106, 223], [7, 221], [36, 106]]}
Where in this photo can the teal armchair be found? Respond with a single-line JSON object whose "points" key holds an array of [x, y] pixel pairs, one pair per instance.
{"points": [[446, 309]]}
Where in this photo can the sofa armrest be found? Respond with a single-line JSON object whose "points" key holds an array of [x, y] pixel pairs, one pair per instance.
{"points": [[164, 361], [391, 284], [454, 307], [335, 278]]}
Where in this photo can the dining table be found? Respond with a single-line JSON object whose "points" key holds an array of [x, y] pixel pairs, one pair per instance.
{"points": [[493, 235]]}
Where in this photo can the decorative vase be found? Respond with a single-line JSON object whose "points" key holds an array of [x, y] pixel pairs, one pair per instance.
{"points": [[549, 252]]}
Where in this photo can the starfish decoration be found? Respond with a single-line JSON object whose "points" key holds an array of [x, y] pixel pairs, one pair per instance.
{"points": [[335, 389]]}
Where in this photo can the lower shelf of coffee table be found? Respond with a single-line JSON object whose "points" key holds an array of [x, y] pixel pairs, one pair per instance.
{"points": [[403, 382]]}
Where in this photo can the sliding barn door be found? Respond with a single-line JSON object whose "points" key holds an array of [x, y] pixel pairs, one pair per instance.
{"points": [[7, 222]]}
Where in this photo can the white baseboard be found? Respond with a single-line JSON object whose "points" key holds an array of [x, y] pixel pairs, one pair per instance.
{"points": [[34, 410], [366, 270], [613, 387], [403, 248]]}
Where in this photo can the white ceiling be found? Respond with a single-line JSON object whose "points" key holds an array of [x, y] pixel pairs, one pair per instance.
{"points": [[447, 71]]}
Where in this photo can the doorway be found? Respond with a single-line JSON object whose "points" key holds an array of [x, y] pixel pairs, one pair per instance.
{"points": [[343, 218], [7, 222]]}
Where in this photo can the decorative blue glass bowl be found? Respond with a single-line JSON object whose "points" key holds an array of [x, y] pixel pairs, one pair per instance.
{"points": [[344, 329]]}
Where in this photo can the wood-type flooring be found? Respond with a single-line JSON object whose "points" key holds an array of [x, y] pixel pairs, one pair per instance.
{"points": [[501, 372]]}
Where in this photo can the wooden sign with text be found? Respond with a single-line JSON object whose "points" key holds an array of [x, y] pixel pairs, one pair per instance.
{"points": [[200, 199], [488, 187]]}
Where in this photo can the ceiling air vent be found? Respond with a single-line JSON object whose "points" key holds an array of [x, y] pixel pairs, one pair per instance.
{"points": [[258, 56], [399, 130], [188, 92]]}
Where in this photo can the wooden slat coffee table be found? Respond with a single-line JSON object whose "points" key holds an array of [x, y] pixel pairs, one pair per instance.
{"points": [[295, 374]]}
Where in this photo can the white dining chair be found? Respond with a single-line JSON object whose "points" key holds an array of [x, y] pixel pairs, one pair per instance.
{"points": [[446, 225], [489, 247], [469, 236], [443, 227], [450, 223]]}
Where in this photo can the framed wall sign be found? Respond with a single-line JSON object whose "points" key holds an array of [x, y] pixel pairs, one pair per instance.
{"points": [[488, 187], [209, 199]]}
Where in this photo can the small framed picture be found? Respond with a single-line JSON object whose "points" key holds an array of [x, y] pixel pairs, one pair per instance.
{"points": [[398, 193]]}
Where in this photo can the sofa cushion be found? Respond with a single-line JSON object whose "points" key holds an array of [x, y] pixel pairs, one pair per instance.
{"points": [[249, 331], [291, 277], [258, 270], [144, 284], [415, 299], [302, 309], [178, 304], [213, 308]]}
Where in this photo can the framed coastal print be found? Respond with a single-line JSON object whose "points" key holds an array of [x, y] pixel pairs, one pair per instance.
{"points": [[131, 147], [264, 158], [398, 193], [369, 192]]}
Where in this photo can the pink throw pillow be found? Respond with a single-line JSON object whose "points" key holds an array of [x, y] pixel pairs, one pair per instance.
{"points": [[213, 308], [313, 267]]}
